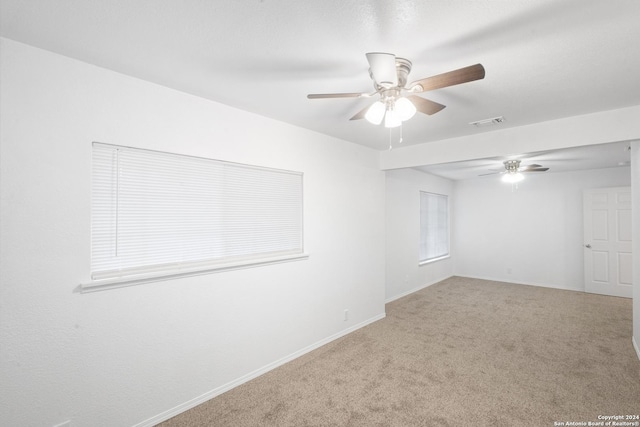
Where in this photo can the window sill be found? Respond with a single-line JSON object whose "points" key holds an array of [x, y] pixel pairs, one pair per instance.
{"points": [[429, 261], [125, 281]]}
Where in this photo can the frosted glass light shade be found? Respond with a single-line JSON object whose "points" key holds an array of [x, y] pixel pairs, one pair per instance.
{"points": [[512, 177], [404, 109], [391, 119], [375, 113]]}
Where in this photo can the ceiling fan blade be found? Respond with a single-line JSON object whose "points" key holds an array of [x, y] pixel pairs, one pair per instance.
{"points": [[491, 173], [382, 67], [360, 114], [527, 167], [451, 78], [336, 95], [424, 105], [535, 170]]}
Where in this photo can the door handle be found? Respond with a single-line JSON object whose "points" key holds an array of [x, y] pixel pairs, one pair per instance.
{"points": [[588, 246]]}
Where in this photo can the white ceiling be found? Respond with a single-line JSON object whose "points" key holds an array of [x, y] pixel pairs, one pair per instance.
{"points": [[544, 59]]}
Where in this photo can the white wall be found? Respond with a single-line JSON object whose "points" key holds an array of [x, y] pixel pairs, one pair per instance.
{"points": [[139, 354], [635, 208], [403, 274], [532, 235]]}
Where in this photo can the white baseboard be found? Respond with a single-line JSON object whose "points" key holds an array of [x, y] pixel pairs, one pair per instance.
{"points": [[635, 345], [245, 378], [409, 292], [520, 282], [493, 279]]}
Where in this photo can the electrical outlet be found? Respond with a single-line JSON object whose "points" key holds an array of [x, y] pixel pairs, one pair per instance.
{"points": [[346, 315]]}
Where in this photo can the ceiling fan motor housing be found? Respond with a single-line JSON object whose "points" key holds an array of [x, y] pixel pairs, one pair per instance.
{"points": [[403, 66], [512, 165]]}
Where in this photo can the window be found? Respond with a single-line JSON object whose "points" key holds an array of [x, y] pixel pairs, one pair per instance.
{"points": [[156, 213], [434, 227]]}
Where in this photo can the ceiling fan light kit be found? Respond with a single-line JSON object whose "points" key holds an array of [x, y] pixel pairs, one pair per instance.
{"points": [[512, 177], [393, 111], [398, 102]]}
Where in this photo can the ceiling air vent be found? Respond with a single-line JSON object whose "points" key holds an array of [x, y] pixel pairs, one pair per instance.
{"points": [[488, 122]]}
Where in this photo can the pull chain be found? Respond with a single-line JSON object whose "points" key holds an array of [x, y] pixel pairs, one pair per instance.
{"points": [[390, 134]]}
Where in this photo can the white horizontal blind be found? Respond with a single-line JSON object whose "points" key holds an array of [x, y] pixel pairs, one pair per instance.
{"points": [[434, 226], [154, 211]]}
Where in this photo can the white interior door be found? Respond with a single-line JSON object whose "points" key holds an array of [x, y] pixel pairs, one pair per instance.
{"points": [[607, 241]]}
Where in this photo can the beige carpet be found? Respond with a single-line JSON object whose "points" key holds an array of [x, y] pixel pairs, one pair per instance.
{"points": [[463, 352]]}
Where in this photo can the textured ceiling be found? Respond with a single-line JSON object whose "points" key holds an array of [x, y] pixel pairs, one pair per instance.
{"points": [[544, 59]]}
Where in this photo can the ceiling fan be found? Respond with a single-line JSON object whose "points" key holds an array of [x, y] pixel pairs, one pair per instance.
{"points": [[513, 171], [398, 101]]}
